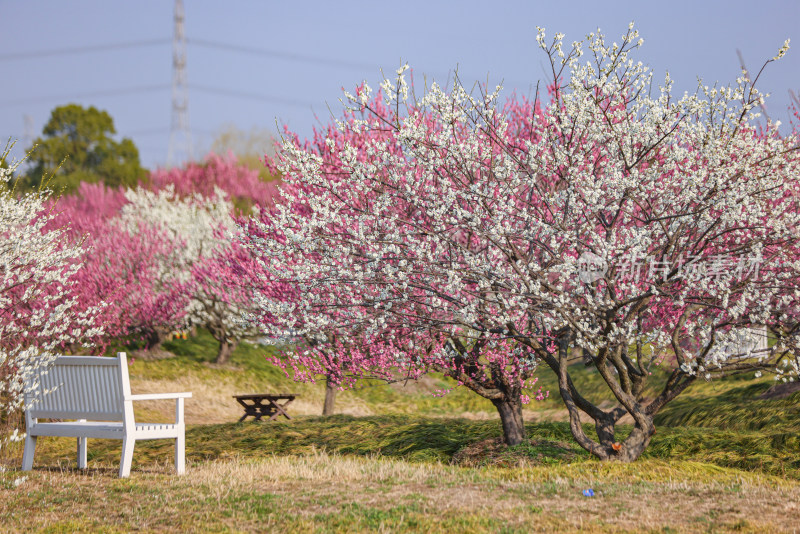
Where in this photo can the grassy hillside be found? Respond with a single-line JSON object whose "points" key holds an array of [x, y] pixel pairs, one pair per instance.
{"points": [[395, 458], [730, 403], [192, 369], [448, 440]]}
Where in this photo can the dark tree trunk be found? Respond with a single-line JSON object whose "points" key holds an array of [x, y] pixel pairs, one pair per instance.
{"points": [[330, 397], [495, 387], [154, 337], [511, 419], [607, 447], [631, 447], [634, 444], [225, 350]]}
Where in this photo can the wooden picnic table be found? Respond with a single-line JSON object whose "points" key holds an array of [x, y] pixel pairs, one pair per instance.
{"points": [[261, 404]]}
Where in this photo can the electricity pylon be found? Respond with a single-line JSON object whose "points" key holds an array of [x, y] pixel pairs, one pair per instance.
{"points": [[180, 137]]}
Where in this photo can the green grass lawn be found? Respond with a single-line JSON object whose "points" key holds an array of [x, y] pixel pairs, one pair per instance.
{"points": [[398, 459]]}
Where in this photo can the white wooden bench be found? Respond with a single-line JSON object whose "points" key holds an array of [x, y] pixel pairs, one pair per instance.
{"points": [[95, 392]]}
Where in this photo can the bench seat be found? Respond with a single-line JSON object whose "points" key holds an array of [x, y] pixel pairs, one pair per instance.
{"points": [[104, 430]]}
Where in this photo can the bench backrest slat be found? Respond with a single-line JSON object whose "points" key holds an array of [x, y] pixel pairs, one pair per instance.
{"points": [[79, 387]]}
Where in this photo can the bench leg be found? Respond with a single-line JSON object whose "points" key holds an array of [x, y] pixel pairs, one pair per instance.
{"points": [[82, 442], [127, 456], [27, 454], [180, 454]]}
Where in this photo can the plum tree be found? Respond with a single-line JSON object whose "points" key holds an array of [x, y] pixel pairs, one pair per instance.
{"points": [[483, 239]]}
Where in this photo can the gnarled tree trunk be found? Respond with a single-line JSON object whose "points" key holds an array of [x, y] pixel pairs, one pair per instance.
{"points": [[511, 418], [626, 381]]}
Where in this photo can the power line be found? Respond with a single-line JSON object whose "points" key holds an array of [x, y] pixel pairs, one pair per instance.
{"points": [[135, 133], [157, 87], [94, 94], [302, 58], [252, 96], [151, 131], [163, 131], [82, 49], [265, 52]]}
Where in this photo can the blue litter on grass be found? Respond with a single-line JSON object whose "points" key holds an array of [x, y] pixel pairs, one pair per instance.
{"points": [[588, 493]]}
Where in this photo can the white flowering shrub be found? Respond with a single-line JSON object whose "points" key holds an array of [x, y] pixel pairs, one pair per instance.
{"points": [[197, 225], [38, 309]]}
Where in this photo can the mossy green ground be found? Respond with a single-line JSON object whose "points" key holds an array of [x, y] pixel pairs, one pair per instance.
{"points": [[400, 459], [421, 439]]}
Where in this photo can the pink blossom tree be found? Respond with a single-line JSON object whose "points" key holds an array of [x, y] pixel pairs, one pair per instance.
{"points": [[240, 184], [643, 229], [222, 291], [199, 229], [157, 254], [386, 338], [217, 282], [123, 264]]}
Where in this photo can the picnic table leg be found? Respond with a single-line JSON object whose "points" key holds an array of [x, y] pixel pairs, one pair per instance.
{"points": [[258, 410], [249, 409], [259, 406], [279, 410]]}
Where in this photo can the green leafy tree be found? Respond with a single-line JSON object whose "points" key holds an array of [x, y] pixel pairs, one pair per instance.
{"points": [[76, 146]]}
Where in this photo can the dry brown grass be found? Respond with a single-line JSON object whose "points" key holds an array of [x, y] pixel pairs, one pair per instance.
{"points": [[213, 402], [327, 492]]}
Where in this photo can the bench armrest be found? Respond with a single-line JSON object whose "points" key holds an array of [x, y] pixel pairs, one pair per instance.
{"points": [[159, 396]]}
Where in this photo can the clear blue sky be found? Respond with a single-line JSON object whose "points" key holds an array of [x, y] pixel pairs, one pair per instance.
{"points": [[312, 49]]}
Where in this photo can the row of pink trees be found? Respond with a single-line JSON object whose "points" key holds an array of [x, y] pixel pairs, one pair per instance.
{"points": [[156, 256], [455, 234], [120, 269]]}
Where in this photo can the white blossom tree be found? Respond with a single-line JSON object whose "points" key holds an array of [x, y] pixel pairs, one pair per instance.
{"points": [[644, 229], [201, 229]]}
